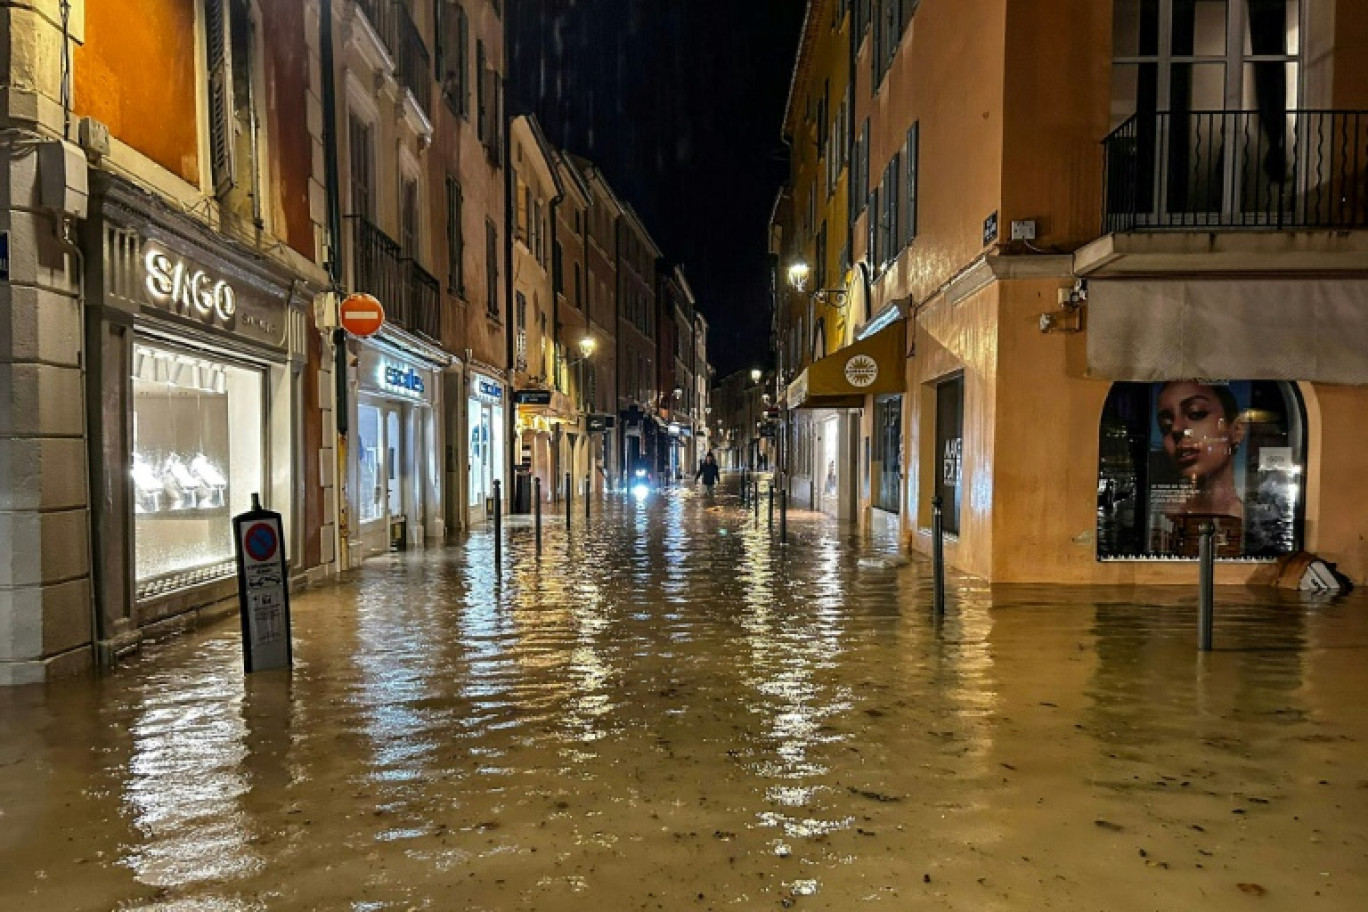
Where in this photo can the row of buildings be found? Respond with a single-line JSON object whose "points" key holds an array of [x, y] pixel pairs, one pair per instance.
{"points": [[1086, 273], [187, 195]]}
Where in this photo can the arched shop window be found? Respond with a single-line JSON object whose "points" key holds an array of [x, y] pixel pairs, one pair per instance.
{"points": [[1177, 454]]}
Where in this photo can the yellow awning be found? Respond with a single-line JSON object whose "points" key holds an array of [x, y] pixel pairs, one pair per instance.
{"points": [[872, 366]]}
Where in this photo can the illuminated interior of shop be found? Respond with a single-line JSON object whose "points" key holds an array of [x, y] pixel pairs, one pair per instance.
{"points": [[197, 459]]}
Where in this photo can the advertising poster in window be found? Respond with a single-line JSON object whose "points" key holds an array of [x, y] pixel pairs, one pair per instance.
{"points": [[1179, 454], [950, 451]]}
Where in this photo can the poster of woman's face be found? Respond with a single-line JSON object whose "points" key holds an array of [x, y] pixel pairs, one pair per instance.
{"points": [[1183, 452]]}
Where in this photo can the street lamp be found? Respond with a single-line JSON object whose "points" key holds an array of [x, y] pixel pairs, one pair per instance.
{"points": [[586, 347], [798, 275], [756, 375]]}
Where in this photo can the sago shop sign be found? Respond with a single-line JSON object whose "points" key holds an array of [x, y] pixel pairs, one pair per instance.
{"points": [[188, 290]]}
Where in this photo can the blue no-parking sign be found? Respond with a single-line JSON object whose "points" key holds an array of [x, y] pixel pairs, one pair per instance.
{"points": [[263, 589]]}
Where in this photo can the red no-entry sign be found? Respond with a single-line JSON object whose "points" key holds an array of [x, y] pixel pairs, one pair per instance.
{"points": [[361, 315]]}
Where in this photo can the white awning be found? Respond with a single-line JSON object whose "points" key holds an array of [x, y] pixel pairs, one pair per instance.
{"points": [[1312, 329]]}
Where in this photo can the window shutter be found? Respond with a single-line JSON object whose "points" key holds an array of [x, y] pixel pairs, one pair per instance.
{"points": [[913, 150], [463, 61], [220, 60]]}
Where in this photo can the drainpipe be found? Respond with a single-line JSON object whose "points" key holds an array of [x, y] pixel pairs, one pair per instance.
{"points": [[332, 188], [511, 412]]}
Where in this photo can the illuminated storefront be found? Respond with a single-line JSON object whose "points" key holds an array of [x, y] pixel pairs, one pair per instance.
{"points": [[396, 442], [485, 441], [194, 397]]}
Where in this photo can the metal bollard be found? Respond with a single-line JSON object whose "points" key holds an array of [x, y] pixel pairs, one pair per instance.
{"points": [[755, 499], [745, 489], [536, 509], [1206, 593], [586, 497], [771, 505], [498, 528], [783, 516], [569, 499], [938, 555]]}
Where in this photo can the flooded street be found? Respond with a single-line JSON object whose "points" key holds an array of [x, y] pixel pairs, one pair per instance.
{"points": [[668, 710]]}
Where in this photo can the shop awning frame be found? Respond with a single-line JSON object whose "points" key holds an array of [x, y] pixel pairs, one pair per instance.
{"points": [[870, 367]]}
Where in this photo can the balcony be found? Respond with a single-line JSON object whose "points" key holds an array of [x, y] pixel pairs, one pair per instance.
{"points": [[415, 65], [394, 26], [410, 295], [383, 15], [1237, 170]]}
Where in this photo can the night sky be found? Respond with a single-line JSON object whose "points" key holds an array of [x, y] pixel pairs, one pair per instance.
{"points": [[680, 103]]}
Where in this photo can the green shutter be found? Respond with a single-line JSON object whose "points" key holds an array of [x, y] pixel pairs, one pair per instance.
{"points": [[220, 60]]}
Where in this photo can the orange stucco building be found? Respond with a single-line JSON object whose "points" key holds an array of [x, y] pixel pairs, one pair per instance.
{"points": [[1083, 207]]}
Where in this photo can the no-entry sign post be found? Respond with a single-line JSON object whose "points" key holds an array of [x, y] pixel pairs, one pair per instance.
{"points": [[361, 315], [263, 589]]}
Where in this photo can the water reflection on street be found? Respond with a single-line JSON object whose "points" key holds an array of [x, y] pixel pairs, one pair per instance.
{"points": [[669, 710]]}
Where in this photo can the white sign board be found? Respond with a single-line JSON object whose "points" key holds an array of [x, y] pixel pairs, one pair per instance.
{"points": [[263, 590]]}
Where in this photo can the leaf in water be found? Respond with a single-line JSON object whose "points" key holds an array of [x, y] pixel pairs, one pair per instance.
{"points": [[1252, 889]]}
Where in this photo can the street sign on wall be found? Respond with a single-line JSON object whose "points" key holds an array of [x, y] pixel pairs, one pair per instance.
{"points": [[263, 589], [361, 315]]}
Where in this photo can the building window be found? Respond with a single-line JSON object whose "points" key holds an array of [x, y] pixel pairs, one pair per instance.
{"points": [[361, 174], [491, 269], [408, 218], [949, 469], [234, 127], [198, 444], [455, 237], [1174, 455], [453, 56]]}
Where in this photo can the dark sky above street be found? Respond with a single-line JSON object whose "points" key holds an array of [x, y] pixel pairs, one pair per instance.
{"points": [[679, 102]]}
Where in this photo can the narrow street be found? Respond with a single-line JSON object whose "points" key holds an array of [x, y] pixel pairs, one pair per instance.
{"points": [[669, 710]]}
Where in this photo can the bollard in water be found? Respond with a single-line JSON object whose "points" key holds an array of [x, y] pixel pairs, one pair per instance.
{"points": [[586, 497], [536, 508], [771, 505], [745, 486], [938, 555], [498, 528], [755, 499], [783, 516], [1206, 595], [569, 499]]}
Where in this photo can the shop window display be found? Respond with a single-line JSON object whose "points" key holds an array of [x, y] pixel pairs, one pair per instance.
{"points": [[1179, 454], [197, 459]]}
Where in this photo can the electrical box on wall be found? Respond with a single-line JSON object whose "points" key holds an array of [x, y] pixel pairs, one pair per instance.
{"points": [[62, 183], [1023, 230]]}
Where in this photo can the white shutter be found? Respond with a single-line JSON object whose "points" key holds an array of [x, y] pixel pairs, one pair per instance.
{"points": [[220, 60]]}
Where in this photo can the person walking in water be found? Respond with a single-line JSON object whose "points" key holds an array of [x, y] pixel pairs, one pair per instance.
{"points": [[708, 472]]}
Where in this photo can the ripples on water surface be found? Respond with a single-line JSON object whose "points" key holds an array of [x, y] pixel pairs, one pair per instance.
{"points": [[670, 712]]}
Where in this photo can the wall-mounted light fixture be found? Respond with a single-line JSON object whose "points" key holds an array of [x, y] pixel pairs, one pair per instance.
{"points": [[798, 275]]}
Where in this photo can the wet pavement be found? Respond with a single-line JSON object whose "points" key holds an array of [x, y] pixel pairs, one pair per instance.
{"points": [[668, 710]]}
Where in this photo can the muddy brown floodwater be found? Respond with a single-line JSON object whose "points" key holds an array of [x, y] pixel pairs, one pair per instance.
{"points": [[669, 711]]}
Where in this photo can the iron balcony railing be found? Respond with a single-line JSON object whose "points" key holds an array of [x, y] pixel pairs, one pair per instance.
{"points": [[420, 310], [1237, 169], [410, 294], [394, 24]]}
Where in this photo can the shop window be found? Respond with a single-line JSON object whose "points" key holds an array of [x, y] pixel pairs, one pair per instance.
{"points": [[1175, 455], [950, 451], [197, 460]]}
